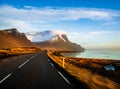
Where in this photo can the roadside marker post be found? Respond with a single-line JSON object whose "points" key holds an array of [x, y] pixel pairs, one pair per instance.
{"points": [[63, 62]]}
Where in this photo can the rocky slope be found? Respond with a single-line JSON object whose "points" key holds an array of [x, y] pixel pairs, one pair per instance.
{"points": [[11, 38], [54, 41]]}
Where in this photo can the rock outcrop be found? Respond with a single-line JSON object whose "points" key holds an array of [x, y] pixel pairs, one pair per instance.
{"points": [[59, 43], [11, 38]]}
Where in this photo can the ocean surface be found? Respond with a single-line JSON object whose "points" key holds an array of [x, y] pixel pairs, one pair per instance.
{"points": [[101, 54]]}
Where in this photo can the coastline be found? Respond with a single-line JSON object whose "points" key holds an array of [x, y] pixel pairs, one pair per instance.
{"points": [[99, 54], [90, 70]]}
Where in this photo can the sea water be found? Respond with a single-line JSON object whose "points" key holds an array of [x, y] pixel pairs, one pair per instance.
{"points": [[101, 54]]}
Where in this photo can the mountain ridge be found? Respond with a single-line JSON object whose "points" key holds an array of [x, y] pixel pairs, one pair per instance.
{"points": [[57, 42], [42, 36], [52, 40], [12, 38]]}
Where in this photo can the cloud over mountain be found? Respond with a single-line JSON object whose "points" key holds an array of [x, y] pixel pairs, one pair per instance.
{"points": [[42, 36], [53, 40]]}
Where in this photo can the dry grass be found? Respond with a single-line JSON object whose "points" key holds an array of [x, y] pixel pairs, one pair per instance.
{"points": [[90, 71], [17, 51]]}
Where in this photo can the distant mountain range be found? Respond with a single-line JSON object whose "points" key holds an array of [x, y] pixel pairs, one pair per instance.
{"points": [[46, 40], [53, 40]]}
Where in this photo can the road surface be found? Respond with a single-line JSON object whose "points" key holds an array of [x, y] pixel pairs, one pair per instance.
{"points": [[32, 71]]}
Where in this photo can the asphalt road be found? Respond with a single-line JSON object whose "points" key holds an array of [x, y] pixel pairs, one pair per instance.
{"points": [[33, 71]]}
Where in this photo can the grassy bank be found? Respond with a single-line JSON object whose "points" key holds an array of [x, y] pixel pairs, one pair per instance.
{"points": [[17, 51], [90, 71]]}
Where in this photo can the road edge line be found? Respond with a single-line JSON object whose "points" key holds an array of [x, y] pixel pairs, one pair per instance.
{"points": [[64, 77]]}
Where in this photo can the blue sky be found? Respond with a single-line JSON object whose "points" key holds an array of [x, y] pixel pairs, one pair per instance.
{"points": [[90, 23]]}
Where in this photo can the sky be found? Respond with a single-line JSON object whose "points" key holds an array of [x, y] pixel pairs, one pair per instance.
{"points": [[94, 24]]}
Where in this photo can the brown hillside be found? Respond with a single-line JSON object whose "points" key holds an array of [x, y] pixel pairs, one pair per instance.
{"points": [[11, 38], [59, 43]]}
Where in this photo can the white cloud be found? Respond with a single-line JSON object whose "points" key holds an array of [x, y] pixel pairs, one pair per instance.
{"points": [[19, 24], [44, 35], [100, 32], [31, 18], [48, 14], [92, 34], [109, 23], [104, 33], [98, 39]]}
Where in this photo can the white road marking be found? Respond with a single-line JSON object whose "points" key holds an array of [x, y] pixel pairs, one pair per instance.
{"points": [[5, 59], [34, 56], [52, 65], [64, 77], [26, 61], [5, 78], [23, 63]]}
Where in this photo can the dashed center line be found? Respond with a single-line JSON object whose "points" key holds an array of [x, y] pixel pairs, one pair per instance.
{"points": [[5, 60], [34, 56], [23, 63], [63, 77], [5, 78], [26, 61], [18, 67]]}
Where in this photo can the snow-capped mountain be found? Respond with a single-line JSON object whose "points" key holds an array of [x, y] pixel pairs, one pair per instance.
{"points": [[44, 36], [47, 40], [60, 37], [53, 40]]}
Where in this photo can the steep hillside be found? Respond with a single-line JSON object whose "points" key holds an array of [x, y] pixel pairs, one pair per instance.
{"points": [[54, 41], [11, 38]]}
